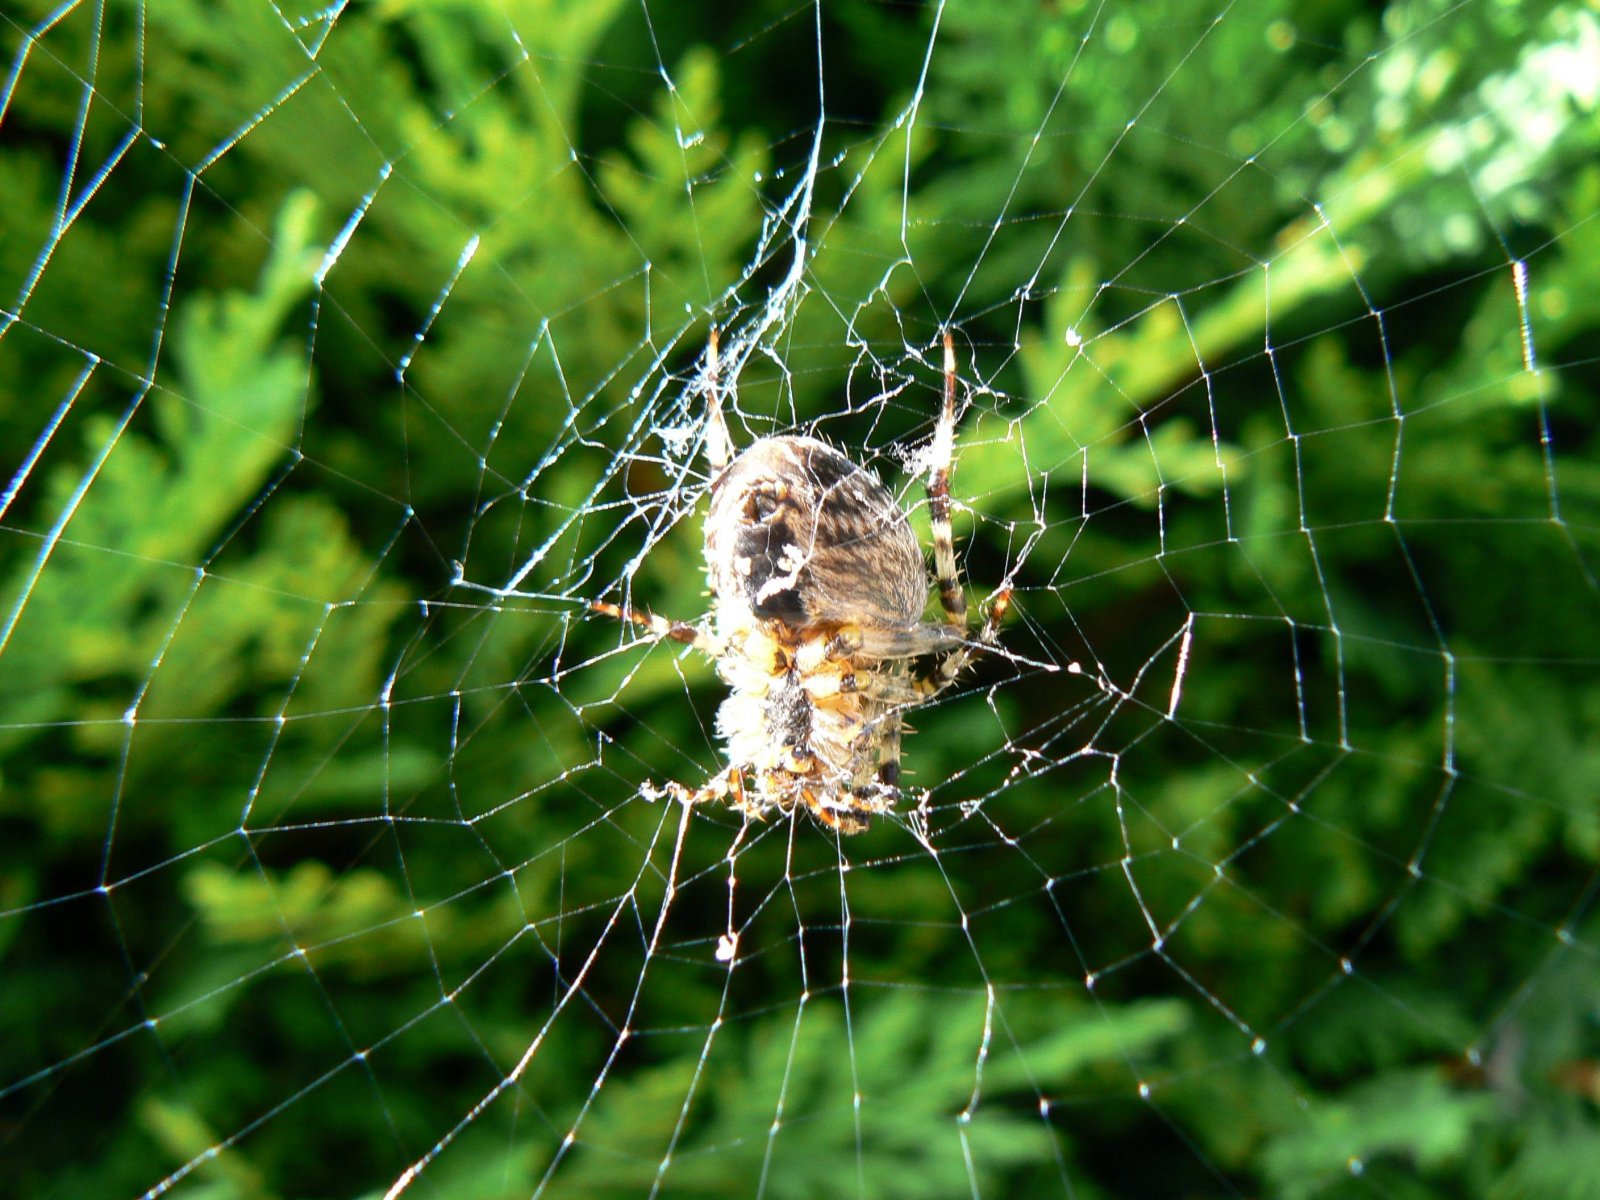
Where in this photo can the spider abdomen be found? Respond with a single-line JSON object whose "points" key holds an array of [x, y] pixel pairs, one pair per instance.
{"points": [[799, 534]]}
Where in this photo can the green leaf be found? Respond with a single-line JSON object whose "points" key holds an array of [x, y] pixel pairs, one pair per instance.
{"points": [[1414, 1115]]}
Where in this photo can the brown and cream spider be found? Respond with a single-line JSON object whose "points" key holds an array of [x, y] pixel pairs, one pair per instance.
{"points": [[820, 589]]}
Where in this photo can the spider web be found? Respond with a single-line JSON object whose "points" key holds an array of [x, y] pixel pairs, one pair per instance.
{"points": [[347, 353]]}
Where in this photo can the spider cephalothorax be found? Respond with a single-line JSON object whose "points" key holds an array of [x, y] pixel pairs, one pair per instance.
{"points": [[820, 589]]}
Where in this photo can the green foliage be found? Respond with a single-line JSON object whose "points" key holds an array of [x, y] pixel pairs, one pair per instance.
{"points": [[134, 588], [926, 1104], [302, 847]]}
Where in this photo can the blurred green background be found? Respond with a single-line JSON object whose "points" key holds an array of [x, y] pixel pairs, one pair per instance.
{"points": [[318, 327]]}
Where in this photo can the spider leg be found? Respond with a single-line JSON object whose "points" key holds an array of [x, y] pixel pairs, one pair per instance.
{"points": [[887, 689], [853, 640], [722, 786], [719, 446], [951, 596], [842, 819], [952, 664], [661, 627], [889, 756]]}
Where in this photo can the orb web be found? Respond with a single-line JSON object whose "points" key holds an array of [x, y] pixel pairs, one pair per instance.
{"points": [[348, 354]]}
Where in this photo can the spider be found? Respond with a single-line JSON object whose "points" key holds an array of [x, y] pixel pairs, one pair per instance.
{"points": [[819, 589]]}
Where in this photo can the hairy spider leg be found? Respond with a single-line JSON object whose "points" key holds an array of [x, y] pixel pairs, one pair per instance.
{"points": [[838, 819], [951, 596], [952, 664], [889, 761], [719, 445], [661, 627], [918, 642], [725, 785]]}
